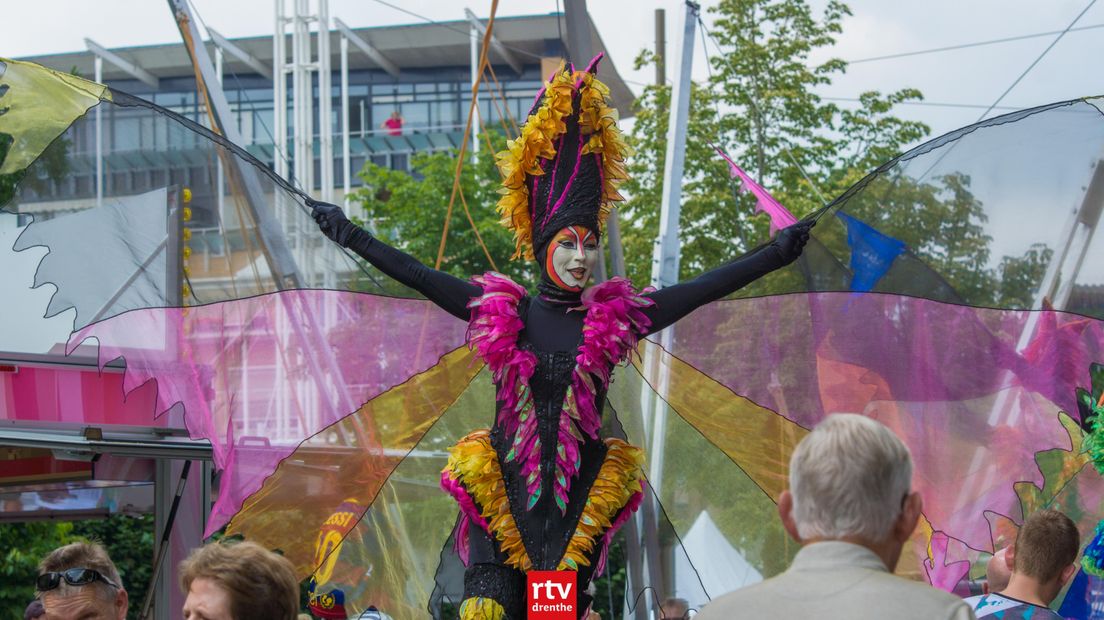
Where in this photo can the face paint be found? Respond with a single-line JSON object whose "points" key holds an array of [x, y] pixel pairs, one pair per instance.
{"points": [[571, 257]]}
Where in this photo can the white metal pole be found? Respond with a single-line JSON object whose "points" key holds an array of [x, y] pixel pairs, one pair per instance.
{"points": [[665, 264], [219, 174], [473, 37], [279, 108], [326, 134], [325, 102], [99, 137], [302, 138], [346, 165], [1084, 240], [279, 91], [309, 61], [665, 261]]}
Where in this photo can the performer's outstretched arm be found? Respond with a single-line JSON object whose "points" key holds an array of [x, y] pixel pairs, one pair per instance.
{"points": [[674, 302], [449, 292]]}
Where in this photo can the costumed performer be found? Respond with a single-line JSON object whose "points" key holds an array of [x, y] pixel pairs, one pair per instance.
{"points": [[542, 489]]}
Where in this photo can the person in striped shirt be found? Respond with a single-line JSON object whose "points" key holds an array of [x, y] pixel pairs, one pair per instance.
{"points": [[1042, 561]]}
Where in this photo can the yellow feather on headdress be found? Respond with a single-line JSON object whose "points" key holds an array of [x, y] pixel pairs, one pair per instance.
{"points": [[520, 160]]}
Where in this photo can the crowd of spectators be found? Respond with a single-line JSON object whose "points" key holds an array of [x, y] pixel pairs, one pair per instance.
{"points": [[850, 504]]}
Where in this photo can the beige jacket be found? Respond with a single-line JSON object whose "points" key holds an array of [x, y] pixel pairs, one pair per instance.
{"points": [[835, 580]]}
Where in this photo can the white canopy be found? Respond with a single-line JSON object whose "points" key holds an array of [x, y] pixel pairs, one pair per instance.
{"points": [[717, 567]]}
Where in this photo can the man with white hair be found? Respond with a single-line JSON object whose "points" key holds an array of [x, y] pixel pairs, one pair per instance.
{"points": [[851, 507]]}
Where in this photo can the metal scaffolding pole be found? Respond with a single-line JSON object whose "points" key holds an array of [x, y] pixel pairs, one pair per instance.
{"points": [[325, 104], [98, 64], [280, 261], [346, 166], [330, 251], [665, 262], [279, 92], [473, 38], [220, 174]]}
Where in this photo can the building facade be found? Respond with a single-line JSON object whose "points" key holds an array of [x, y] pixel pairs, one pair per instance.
{"points": [[429, 86]]}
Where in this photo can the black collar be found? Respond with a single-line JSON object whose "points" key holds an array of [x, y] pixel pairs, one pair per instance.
{"points": [[555, 295]]}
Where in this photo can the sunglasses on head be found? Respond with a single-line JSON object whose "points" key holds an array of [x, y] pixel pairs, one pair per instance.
{"points": [[73, 577]]}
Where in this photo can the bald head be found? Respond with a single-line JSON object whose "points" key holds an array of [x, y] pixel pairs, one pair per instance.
{"points": [[998, 571]]}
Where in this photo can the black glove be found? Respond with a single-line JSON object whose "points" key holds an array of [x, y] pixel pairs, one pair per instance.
{"points": [[791, 240], [332, 222]]}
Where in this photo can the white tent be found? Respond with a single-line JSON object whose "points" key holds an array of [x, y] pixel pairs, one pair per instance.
{"points": [[710, 565]]}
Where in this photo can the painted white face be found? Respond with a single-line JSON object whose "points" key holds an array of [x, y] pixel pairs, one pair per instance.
{"points": [[571, 257]]}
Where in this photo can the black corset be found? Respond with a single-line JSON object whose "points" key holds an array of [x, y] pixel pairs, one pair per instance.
{"points": [[543, 529], [553, 374]]}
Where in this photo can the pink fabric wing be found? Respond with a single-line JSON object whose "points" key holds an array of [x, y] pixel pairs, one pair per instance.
{"points": [[257, 376]]}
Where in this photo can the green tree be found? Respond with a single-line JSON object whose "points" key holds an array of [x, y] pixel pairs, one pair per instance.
{"points": [[52, 164], [759, 105], [407, 211], [22, 546], [609, 589], [129, 542], [1020, 276]]}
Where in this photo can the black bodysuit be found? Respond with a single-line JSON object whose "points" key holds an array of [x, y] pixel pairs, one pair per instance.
{"points": [[553, 334]]}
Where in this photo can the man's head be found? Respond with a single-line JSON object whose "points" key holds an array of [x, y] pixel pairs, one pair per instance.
{"points": [[1045, 550], [674, 609], [242, 581], [79, 581], [850, 480], [998, 571]]}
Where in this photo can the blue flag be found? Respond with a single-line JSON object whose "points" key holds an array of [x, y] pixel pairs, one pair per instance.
{"points": [[872, 252]]}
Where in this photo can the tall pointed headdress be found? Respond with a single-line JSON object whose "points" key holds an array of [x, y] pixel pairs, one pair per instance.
{"points": [[564, 168]]}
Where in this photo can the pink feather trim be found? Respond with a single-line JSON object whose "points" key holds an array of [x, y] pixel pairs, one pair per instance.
{"points": [[607, 538], [493, 333], [613, 325], [469, 513]]}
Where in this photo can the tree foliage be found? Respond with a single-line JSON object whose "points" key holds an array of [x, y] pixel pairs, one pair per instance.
{"points": [[22, 547], [759, 105], [52, 165], [1019, 276], [407, 211], [129, 542]]}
